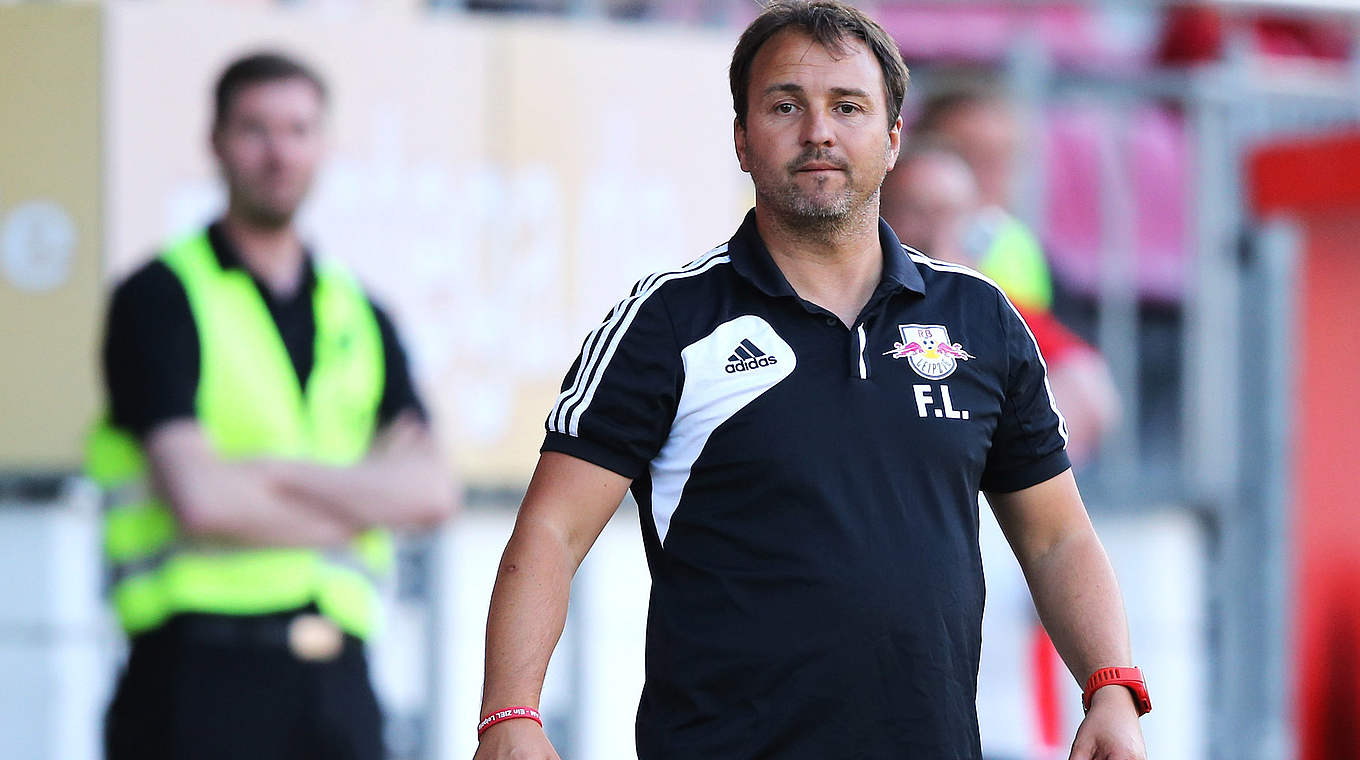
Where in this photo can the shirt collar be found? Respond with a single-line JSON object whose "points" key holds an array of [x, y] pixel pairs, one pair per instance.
{"points": [[229, 257], [751, 259], [897, 266]]}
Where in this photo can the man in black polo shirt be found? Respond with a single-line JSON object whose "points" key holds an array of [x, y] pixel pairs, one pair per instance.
{"points": [[262, 429], [806, 416]]}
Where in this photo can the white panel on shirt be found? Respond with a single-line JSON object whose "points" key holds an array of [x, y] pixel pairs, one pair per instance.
{"points": [[712, 394]]}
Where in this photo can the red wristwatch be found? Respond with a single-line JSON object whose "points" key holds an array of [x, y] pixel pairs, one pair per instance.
{"points": [[1130, 678]]}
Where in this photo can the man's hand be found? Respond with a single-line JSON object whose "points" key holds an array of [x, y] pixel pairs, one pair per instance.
{"points": [[515, 740], [1110, 730]]}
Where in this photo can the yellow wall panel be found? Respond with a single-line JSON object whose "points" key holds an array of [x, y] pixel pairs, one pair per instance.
{"points": [[49, 233], [497, 183]]}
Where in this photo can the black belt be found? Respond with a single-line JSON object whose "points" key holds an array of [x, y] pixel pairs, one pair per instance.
{"points": [[304, 633]]}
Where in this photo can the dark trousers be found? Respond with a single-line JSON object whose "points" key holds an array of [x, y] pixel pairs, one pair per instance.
{"points": [[198, 688]]}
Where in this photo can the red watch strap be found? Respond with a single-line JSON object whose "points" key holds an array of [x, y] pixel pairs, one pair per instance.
{"points": [[1130, 678]]}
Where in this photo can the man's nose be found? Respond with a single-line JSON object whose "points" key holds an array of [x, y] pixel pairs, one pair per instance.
{"points": [[279, 146], [273, 143], [818, 128]]}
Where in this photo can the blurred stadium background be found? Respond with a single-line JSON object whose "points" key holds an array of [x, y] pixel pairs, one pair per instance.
{"points": [[502, 170]]}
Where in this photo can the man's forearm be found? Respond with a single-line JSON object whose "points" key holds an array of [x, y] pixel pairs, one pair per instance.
{"points": [[403, 481], [1078, 600], [389, 492], [565, 508], [278, 522], [236, 502], [528, 612]]}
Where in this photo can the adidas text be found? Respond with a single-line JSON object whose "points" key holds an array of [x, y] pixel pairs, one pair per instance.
{"points": [[742, 366]]}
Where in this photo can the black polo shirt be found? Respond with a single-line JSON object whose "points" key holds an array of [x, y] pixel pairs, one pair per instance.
{"points": [[151, 351], [809, 497]]}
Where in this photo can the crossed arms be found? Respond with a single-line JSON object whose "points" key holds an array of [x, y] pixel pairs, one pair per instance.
{"points": [[402, 483]]}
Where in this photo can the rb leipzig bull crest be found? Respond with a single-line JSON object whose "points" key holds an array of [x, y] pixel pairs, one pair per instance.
{"points": [[928, 350]]}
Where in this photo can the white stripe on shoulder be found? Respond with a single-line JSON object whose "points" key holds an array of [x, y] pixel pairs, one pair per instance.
{"points": [[945, 266], [948, 266], [697, 268], [600, 345], [590, 347]]}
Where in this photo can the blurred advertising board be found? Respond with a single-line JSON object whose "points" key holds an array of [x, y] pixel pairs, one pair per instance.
{"points": [[497, 184]]}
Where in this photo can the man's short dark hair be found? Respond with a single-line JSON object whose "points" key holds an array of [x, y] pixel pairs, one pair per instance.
{"points": [[254, 69], [829, 23], [944, 104], [928, 145]]}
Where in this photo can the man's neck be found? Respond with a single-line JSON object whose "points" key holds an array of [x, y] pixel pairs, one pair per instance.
{"points": [[837, 267], [274, 255]]}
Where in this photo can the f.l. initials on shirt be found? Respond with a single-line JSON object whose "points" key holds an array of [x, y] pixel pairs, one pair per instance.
{"points": [[925, 399]]}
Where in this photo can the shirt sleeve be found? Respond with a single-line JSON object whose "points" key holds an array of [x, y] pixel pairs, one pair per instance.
{"points": [[1030, 442], [151, 352], [399, 390], [619, 397]]}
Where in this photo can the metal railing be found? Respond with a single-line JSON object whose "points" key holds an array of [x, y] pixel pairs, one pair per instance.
{"points": [[1232, 466]]}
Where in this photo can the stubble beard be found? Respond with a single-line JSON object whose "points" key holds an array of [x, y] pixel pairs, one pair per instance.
{"points": [[268, 218], [818, 213], [812, 209], [262, 213]]}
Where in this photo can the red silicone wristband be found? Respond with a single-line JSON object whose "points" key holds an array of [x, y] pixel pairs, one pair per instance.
{"points": [[1130, 678], [509, 713]]}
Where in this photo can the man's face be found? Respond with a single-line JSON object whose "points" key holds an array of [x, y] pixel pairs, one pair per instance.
{"points": [[817, 140], [269, 145], [928, 201]]}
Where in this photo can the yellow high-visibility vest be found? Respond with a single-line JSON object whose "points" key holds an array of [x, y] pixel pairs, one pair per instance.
{"points": [[1010, 254], [250, 404]]}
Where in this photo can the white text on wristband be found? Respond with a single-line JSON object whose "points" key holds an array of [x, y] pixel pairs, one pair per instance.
{"points": [[509, 713]]}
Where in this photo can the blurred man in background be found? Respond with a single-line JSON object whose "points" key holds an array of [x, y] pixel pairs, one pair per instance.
{"points": [[981, 125], [934, 203], [807, 481], [262, 433]]}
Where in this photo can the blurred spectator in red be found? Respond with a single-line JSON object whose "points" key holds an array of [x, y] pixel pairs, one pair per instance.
{"points": [[1197, 33]]}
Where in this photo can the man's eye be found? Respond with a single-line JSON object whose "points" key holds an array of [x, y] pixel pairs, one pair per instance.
{"points": [[784, 108], [847, 108]]}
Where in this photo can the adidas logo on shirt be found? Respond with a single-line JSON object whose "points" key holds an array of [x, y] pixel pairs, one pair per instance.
{"points": [[747, 356]]}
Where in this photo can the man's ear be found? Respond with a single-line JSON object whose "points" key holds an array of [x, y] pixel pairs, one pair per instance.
{"points": [[894, 143], [739, 140], [215, 142]]}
